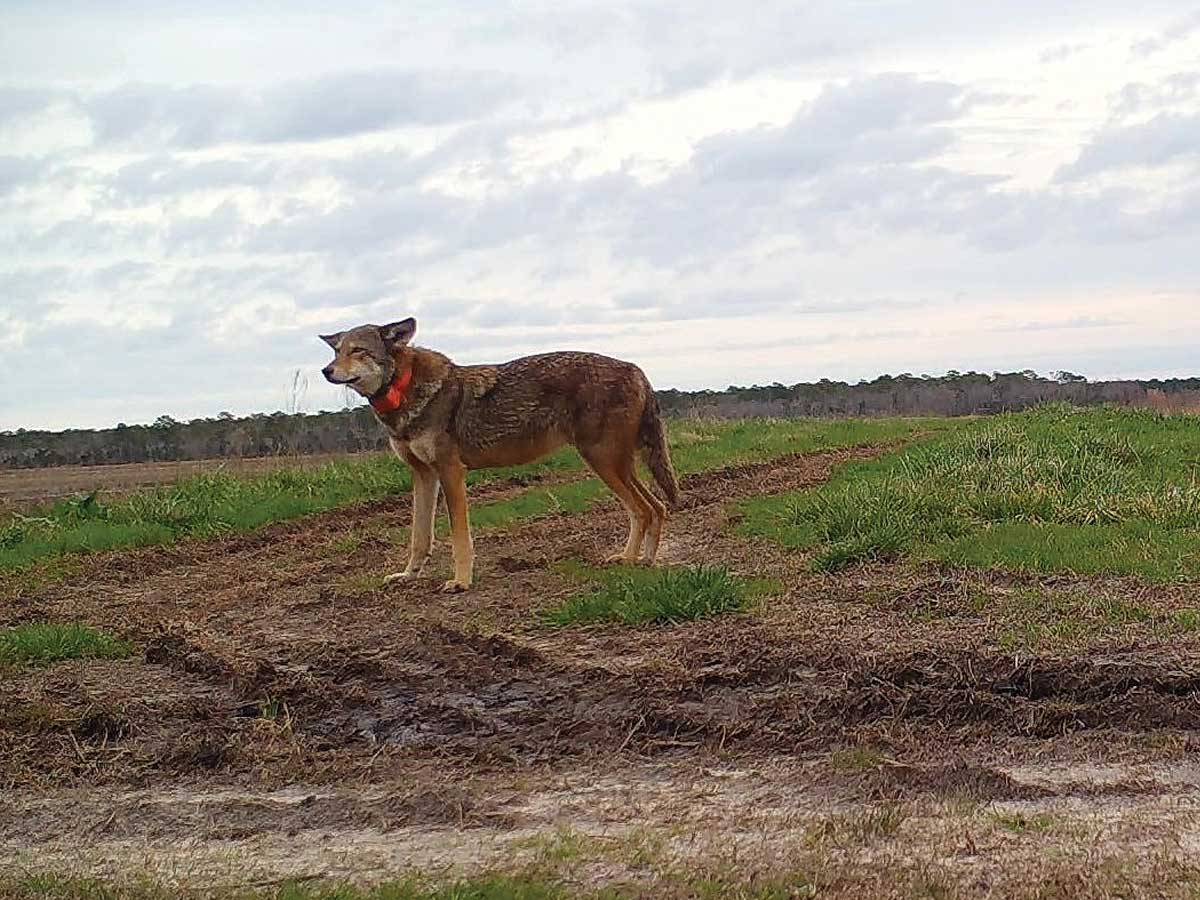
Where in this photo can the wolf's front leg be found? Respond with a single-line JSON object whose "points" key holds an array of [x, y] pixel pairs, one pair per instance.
{"points": [[420, 544], [454, 482]]}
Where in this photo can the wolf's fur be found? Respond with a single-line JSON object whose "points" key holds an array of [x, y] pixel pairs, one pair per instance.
{"points": [[455, 418]]}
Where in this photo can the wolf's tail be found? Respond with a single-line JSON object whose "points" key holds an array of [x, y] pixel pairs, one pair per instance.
{"points": [[652, 438]]}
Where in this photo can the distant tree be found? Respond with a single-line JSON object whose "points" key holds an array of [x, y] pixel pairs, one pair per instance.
{"points": [[354, 428]]}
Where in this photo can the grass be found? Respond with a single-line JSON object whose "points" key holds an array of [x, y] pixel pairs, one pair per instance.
{"points": [[1020, 823], [347, 544], [485, 887], [1054, 616], [638, 596], [52, 887], [212, 504], [1040, 617], [704, 445], [44, 642], [843, 860], [858, 829], [218, 503], [1052, 490], [570, 498], [856, 759], [531, 885], [1036, 619], [497, 887]]}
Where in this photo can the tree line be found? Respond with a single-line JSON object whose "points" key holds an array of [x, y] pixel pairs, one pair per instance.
{"points": [[355, 430]]}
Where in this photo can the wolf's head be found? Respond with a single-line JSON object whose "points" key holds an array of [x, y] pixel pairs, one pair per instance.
{"points": [[364, 357]]}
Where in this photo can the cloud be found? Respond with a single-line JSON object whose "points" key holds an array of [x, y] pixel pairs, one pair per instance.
{"points": [[26, 292], [367, 223], [156, 177], [17, 102], [1071, 324], [856, 160], [1163, 139], [566, 31], [691, 74], [675, 306], [1179, 88], [87, 237], [1179, 30], [1059, 52], [888, 118], [220, 229], [360, 102], [16, 171], [331, 106], [693, 217]]}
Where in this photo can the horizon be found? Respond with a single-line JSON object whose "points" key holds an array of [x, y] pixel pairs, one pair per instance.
{"points": [[357, 402], [190, 195]]}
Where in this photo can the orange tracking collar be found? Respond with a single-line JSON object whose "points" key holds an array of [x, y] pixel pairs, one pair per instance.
{"points": [[389, 400]]}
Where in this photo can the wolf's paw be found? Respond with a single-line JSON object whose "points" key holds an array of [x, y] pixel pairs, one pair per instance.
{"points": [[399, 576], [619, 559], [454, 586]]}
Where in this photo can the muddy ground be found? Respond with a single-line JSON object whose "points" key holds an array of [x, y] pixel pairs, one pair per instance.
{"points": [[876, 731]]}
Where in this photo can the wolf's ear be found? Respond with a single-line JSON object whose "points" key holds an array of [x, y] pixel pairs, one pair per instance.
{"points": [[398, 333], [331, 339]]}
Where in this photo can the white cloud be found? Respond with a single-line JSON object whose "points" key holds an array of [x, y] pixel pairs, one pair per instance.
{"points": [[337, 105], [1163, 139]]}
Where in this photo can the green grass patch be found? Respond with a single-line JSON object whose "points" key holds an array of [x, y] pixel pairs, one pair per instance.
{"points": [[561, 845], [1022, 823], [632, 595], [1139, 547], [45, 642], [362, 583], [698, 446], [858, 829], [1052, 490], [570, 498], [217, 503], [856, 759], [348, 544], [1037, 619]]}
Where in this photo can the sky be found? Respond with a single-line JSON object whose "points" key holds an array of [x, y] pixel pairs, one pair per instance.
{"points": [[722, 193]]}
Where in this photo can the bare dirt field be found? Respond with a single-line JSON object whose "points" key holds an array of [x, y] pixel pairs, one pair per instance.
{"points": [[23, 487], [868, 733]]}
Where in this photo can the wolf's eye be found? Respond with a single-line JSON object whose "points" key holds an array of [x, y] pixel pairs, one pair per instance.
{"points": [[359, 352]]}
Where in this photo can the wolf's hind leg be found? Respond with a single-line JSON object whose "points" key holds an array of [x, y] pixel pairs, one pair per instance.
{"points": [[658, 512], [617, 471]]}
